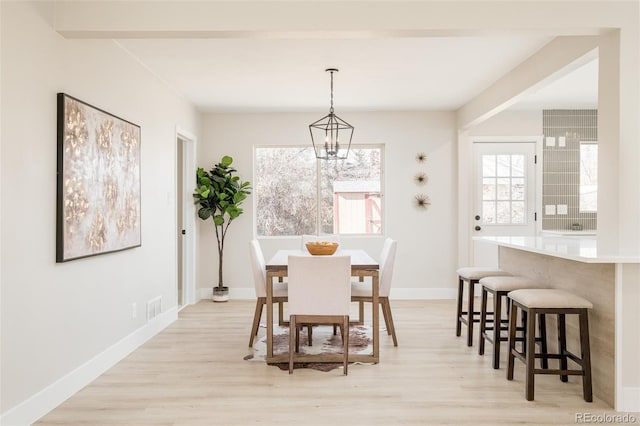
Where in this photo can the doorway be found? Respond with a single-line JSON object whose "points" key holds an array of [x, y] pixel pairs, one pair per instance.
{"points": [[504, 188], [185, 218]]}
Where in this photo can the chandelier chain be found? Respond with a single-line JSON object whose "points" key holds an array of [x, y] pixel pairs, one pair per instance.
{"points": [[331, 109]]}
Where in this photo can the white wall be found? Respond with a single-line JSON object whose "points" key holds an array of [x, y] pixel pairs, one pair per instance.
{"points": [[426, 239], [510, 123], [57, 317]]}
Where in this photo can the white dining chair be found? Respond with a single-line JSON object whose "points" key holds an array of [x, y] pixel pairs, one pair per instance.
{"points": [[260, 284], [362, 293], [319, 293]]}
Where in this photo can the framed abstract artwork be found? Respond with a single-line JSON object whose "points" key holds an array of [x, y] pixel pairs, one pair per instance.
{"points": [[98, 181]]}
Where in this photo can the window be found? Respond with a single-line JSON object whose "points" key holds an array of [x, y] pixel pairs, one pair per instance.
{"points": [[503, 189], [588, 176], [296, 194]]}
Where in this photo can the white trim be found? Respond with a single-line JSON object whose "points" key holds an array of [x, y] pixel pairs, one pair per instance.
{"points": [[241, 293], [247, 293], [630, 400], [618, 327], [465, 197], [619, 400], [627, 398], [204, 293], [539, 163], [188, 215], [422, 293], [32, 409]]}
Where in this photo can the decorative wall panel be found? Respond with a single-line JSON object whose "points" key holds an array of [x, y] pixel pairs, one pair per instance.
{"points": [[564, 130], [98, 181]]}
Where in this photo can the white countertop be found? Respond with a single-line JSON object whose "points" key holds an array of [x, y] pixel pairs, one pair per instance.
{"points": [[581, 249], [568, 233]]}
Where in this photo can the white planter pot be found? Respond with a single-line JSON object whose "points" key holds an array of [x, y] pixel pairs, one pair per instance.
{"points": [[220, 294]]}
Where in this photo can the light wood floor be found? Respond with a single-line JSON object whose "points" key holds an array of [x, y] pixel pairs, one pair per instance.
{"points": [[193, 373]]}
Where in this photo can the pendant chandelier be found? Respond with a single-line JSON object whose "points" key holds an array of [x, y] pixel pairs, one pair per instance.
{"points": [[331, 135]]}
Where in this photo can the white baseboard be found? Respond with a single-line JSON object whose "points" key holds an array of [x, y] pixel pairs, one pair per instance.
{"points": [[247, 293], [244, 293], [630, 400], [422, 293], [56, 393]]}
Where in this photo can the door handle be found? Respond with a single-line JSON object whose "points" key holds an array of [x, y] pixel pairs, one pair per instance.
{"points": [[477, 217], [184, 232], [477, 228]]}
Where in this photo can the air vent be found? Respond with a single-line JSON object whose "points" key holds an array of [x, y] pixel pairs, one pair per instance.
{"points": [[154, 308]]}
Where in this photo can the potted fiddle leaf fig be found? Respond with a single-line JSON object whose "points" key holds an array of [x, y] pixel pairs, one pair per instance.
{"points": [[219, 194]]}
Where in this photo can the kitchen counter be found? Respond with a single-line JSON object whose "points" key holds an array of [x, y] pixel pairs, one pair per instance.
{"points": [[568, 233], [610, 281], [578, 248]]}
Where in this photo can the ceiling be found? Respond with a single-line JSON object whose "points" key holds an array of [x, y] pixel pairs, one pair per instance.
{"points": [[402, 73]]}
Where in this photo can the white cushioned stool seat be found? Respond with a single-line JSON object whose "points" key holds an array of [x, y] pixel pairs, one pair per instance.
{"points": [[504, 283], [539, 303], [548, 298], [471, 275], [499, 287], [479, 272]]}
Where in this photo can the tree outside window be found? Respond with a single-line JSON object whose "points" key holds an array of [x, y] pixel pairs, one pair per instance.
{"points": [[588, 176], [296, 194]]}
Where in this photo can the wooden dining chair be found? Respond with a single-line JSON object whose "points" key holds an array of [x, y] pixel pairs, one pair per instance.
{"points": [[361, 292], [260, 284], [319, 293]]}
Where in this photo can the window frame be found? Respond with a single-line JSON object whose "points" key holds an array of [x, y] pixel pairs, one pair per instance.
{"points": [[526, 179], [318, 219], [580, 144]]}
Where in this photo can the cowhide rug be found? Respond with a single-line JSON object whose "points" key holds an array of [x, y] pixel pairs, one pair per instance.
{"points": [[324, 342]]}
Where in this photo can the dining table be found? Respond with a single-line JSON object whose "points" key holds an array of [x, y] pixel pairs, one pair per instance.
{"points": [[362, 265]]}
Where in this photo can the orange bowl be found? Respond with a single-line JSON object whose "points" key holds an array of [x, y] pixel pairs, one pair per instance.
{"points": [[322, 248]]}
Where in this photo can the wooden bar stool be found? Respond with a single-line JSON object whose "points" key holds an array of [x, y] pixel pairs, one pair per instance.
{"points": [[471, 275], [499, 287], [550, 301]]}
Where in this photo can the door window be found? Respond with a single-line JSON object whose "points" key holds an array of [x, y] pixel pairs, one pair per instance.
{"points": [[503, 189]]}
